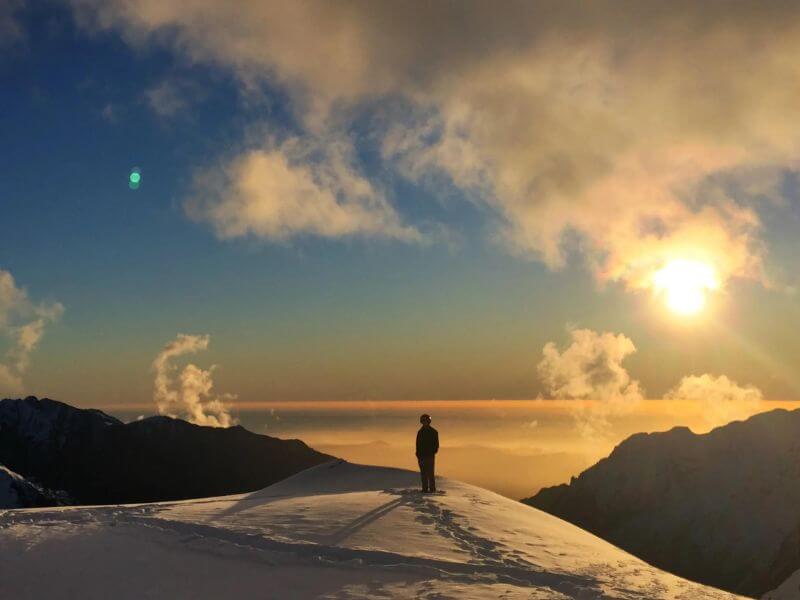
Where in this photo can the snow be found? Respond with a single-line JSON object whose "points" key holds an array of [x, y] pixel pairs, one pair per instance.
{"points": [[334, 531]]}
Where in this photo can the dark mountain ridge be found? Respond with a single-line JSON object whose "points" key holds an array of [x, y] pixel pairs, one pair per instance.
{"points": [[721, 508], [97, 459], [17, 492]]}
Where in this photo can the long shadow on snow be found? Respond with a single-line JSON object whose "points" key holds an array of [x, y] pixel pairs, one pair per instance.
{"points": [[356, 525], [495, 569]]}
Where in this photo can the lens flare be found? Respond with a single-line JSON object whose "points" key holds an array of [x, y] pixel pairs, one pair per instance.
{"points": [[684, 285], [135, 178]]}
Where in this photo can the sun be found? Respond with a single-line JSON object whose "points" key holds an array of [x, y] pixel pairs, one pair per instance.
{"points": [[684, 285]]}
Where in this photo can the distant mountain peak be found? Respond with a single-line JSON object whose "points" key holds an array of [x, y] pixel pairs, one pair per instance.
{"points": [[50, 407]]}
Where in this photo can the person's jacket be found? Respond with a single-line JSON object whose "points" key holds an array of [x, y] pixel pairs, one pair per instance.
{"points": [[427, 441]]}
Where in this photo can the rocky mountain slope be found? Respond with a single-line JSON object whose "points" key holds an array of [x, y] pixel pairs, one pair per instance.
{"points": [[722, 508], [17, 492], [97, 459]]}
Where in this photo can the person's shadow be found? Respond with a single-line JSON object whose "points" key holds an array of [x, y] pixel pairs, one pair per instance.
{"points": [[362, 521]]}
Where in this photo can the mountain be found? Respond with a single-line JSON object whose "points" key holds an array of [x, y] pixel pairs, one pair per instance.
{"points": [[337, 530], [17, 492], [97, 459], [788, 590], [722, 508]]}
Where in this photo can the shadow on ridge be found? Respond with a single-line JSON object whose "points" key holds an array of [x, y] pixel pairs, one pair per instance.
{"points": [[359, 523], [334, 477]]}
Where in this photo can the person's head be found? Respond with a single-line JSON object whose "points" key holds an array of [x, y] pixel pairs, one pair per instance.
{"points": [[425, 419]]}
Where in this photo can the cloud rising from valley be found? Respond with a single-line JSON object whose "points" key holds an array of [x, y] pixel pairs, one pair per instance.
{"points": [[590, 368], [188, 393], [722, 400], [22, 325]]}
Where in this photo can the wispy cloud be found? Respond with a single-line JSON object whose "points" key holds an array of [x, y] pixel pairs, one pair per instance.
{"points": [[189, 395], [166, 99], [22, 323]]}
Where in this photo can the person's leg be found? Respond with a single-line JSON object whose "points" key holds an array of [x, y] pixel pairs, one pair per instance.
{"points": [[425, 470], [432, 474]]}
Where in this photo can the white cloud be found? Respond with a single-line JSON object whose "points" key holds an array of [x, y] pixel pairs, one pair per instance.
{"points": [[722, 400], [190, 396], [22, 324], [597, 125], [279, 191], [590, 368]]}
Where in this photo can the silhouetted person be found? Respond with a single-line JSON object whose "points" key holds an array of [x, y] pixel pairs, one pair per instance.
{"points": [[427, 447]]}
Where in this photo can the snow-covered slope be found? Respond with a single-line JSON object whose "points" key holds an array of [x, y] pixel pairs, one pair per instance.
{"points": [[334, 531], [17, 492]]}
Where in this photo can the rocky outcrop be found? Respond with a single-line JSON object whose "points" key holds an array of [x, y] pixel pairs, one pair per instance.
{"points": [[719, 508]]}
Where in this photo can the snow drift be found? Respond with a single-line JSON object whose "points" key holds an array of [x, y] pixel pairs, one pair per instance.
{"points": [[333, 531]]}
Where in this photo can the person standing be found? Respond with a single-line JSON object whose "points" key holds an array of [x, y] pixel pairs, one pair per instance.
{"points": [[427, 447]]}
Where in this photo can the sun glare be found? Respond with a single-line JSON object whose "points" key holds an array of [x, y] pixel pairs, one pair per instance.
{"points": [[684, 285]]}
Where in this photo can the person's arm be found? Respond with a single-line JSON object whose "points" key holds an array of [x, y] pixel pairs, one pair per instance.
{"points": [[419, 443], [435, 442]]}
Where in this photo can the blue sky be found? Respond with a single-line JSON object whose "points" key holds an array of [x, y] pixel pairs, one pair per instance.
{"points": [[303, 315]]}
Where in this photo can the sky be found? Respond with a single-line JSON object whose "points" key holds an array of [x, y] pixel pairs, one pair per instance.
{"points": [[412, 201]]}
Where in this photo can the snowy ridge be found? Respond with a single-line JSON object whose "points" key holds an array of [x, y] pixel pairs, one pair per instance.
{"points": [[333, 531], [17, 492], [37, 420]]}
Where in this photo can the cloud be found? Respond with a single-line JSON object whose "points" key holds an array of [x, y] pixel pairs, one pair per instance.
{"points": [[166, 99], [722, 400], [590, 368], [189, 396], [279, 191], [22, 324], [605, 128]]}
